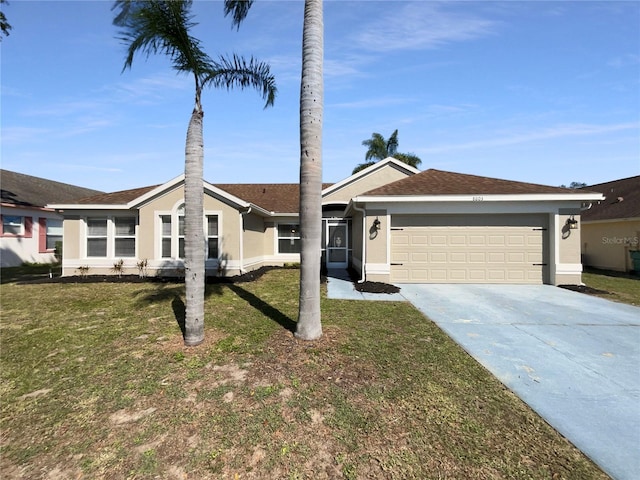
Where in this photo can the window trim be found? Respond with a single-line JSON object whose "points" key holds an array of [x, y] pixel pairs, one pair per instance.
{"points": [[110, 235], [278, 237], [43, 233], [26, 226], [174, 214]]}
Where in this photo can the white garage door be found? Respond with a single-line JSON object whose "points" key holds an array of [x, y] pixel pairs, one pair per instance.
{"points": [[495, 252]]}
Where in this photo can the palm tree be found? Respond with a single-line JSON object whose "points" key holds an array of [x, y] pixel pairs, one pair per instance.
{"points": [[379, 149], [4, 24], [163, 27], [309, 326]]}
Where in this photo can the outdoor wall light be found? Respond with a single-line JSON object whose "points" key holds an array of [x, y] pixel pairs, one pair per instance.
{"points": [[572, 223], [376, 224]]}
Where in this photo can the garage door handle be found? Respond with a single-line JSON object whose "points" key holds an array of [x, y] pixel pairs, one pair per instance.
{"points": [[539, 264], [397, 264]]}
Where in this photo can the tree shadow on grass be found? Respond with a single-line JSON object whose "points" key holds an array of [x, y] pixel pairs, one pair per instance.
{"points": [[180, 312], [173, 293], [260, 305]]}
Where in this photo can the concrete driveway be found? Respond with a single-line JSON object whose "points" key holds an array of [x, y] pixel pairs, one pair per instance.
{"points": [[573, 358]]}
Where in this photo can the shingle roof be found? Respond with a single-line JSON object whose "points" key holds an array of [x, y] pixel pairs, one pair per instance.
{"points": [[273, 197], [28, 191], [438, 182], [115, 198], [622, 200]]}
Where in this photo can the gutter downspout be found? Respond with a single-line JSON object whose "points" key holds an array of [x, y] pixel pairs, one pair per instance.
{"points": [[364, 243], [242, 214]]}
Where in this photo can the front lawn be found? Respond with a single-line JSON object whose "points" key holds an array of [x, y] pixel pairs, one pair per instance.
{"points": [[97, 384], [616, 286]]}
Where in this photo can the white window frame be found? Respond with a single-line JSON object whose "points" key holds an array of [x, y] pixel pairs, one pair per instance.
{"points": [[278, 237], [21, 231], [110, 236], [210, 237], [88, 236], [117, 236], [50, 235], [175, 214]]}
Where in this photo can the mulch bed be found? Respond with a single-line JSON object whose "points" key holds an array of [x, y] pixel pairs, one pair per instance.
{"points": [[369, 287], [247, 277], [585, 289]]}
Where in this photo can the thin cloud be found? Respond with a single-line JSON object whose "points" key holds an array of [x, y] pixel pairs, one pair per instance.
{"points": [[420, 26], [19, 135], [374, 102], [627, 60], [559, 131], [87, 168]]}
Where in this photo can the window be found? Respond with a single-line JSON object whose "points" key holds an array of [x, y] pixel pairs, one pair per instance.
{"points": [[112, 237], [212, 236], [181, 233], [288, 238], [166, 235], [54, 232], [16, 225], [172, 235], [125, 236], [96, 237]]}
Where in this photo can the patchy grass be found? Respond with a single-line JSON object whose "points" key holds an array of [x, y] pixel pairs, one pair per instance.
{"points": [[30, 271], [620, 287], [97, 384]]}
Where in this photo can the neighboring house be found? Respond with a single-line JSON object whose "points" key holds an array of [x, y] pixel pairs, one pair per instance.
{"points": [[611, 228], [389, 222], [28, 230]]}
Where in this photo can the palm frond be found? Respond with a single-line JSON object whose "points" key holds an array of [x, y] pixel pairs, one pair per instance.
{"points": [[392, 144], [155, 26], [362, 166], [237, 72], [376, 147], [409, 159], [239, 9]]}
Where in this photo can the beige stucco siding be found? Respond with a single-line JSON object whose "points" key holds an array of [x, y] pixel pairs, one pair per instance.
{"points": [[70, 243], [254, 237], [387, 174], [569, 240], [606, 244]]}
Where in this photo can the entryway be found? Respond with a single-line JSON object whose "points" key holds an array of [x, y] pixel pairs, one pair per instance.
{"points": [[337, 244]]}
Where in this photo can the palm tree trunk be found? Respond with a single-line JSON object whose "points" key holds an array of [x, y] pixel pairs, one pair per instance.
{"points": [[194, 246], [311, 109]]}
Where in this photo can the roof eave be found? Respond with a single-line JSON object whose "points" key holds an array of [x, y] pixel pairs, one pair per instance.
{"points": [[535, 197], [78, 206], [367, 171]]}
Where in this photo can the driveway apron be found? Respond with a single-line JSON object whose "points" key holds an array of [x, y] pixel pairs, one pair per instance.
{"points": [[573, 358]]}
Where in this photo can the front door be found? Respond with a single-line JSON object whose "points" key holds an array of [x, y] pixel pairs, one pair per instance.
{"points": [[337, 244]]}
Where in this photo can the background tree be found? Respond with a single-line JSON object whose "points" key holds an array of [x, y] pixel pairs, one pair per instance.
{"points": [[4, 24], [574, 185], [309, 326], [163, 27], [378, 149]]}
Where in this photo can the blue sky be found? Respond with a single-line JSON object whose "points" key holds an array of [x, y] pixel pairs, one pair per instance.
{"points": [[541, 91]]}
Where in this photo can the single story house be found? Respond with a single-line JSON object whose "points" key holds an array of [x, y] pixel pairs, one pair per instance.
{"points": [[390, 222], [611, 228], [28, 230]]}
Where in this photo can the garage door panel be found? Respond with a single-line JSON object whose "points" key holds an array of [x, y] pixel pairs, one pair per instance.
{"points": [[458, 257], [467, 254], [438, 257], [419, 257]]}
